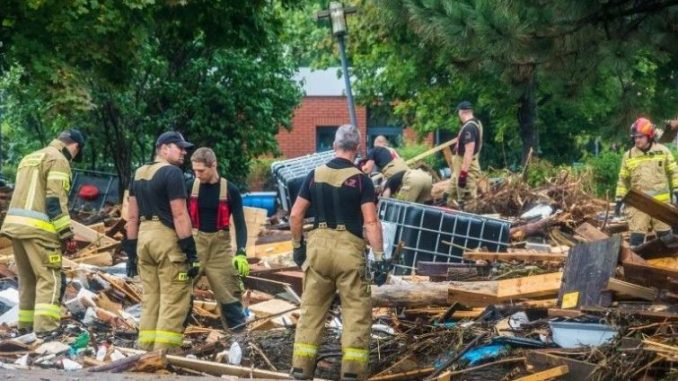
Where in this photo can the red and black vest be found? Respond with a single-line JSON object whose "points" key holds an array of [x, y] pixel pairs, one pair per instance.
{"points": [[223, 211]]}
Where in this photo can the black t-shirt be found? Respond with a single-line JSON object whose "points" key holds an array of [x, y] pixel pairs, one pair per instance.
{"points": [[469, 133], [355, 191], [381, 156], [208, 204], [154, 195]]}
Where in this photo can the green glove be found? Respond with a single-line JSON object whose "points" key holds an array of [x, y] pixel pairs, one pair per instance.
{"points": [[240, 263]]}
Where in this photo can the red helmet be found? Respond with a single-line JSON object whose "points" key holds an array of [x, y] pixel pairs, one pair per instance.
{"points": [[642, 126]]}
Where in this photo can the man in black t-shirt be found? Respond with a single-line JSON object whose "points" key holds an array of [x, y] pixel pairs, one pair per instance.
{"points": [[342, 202], [401, 181], [212, 202], [465, 161], [159, 230]]}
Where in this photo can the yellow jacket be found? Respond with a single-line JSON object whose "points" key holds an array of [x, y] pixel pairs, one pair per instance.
{"points": [[654, 172], [39, 206]]}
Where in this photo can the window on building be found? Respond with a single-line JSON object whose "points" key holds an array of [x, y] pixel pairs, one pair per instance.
{"points": [[393, 134], [324, 137]]}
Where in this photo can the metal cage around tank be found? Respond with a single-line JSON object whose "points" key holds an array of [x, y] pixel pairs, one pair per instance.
{"points": [[435, 234], [289, 175]]}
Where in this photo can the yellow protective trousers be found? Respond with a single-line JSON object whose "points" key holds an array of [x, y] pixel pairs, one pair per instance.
{"points": [[166, 300], [335, 262], [216, 260], [39, 265], [416, 186], [464, 195]]}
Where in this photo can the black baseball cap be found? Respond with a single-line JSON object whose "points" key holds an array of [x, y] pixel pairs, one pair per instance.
{"points": [[175, 137], [77, 136], [464, 105]]}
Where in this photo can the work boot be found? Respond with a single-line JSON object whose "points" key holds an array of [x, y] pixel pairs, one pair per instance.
{"points": [[232, 316], [668, 239], [299, 374], [636, 239]]}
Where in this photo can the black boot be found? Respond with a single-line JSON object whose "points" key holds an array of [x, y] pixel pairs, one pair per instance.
{"points": [[668, 239], [636, 239], [232, 316]]}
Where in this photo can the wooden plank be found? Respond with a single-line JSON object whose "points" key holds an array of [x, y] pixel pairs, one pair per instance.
{"points": [[630, 289], [655, 249], [660, 210], [430, 152], [255, 219], [578, 370], [98, 259], [422, 294], [651, 276], [272, 249], [588, 268], [590, 233], [90, 235], [483, 293], [546, 374], [526, 256], [216, 369]]}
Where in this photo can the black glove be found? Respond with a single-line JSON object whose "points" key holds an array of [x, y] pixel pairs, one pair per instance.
{"points": [[675, 197], [129, 246], [187, 245], [299, 252], [379, 272], [617, 208]]}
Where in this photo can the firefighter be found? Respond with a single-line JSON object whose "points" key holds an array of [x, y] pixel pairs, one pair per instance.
{"points": [[39, 226], [160, 245], [401, 181], [648, 167], [212, 202], [466, 158], [342, 202]]}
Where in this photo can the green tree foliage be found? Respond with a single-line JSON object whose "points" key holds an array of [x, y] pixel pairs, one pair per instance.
{"points": [[126, 71]]}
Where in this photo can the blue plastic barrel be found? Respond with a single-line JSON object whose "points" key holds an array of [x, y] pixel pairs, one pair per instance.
{"points": [[263, 200]]}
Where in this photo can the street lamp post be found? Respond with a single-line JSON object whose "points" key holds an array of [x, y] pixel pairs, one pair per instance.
{"points": [[337, 15]]}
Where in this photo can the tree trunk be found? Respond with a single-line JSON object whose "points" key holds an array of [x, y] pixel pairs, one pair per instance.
{"points": [[410, 295], [527, 114], [117, 146]]}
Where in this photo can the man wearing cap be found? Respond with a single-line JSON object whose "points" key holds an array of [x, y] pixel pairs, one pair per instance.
{"points": [[40, 228], [160, 245], [465, 161], [212, 202], [401, 181]]}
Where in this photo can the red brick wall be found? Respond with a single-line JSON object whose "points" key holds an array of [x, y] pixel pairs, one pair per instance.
{"points": [[314, 112]]}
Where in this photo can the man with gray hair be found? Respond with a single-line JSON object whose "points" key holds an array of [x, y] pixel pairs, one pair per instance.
{"points": [[342, 202]]}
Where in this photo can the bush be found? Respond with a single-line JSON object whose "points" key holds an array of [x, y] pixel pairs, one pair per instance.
{"points": [[260, 177], [605, 170], [410, 149]]}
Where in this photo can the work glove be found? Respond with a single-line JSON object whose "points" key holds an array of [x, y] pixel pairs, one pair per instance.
{"points": [[617, 208], [187, 245], [379, 269], [299, 251], [461, 180], [240, 263], [69, 246], [129, 246]]}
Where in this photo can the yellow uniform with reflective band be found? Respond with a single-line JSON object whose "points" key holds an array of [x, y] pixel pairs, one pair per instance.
{"points": [[36, 220], [335, 263], [166, 300], [416, 184], [470, 192], [654, 173]]}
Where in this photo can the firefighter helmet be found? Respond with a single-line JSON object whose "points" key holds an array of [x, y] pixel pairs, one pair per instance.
{"points": [[642, 126]]}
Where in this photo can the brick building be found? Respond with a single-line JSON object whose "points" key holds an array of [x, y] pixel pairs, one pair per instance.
{"points": [[323, 108]]}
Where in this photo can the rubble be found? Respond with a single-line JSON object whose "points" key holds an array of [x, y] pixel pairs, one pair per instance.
{"points": [[545, 287]]}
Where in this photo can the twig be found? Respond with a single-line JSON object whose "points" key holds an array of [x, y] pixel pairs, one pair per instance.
{"points": [[261, 353]]}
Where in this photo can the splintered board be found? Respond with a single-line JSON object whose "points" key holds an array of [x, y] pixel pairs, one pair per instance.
{"points": [[588, 268]]}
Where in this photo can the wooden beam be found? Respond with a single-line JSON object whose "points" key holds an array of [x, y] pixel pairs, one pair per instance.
{"points": [[430, 152], [590, 233], [526, 256], [578, 370], [660, 210], [546, 374], [216, 369], [651, 276], [477, 294], [91, 235], [630, 289], [410, 295]]}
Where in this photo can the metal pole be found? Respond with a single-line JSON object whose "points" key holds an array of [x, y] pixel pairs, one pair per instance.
{"points": [[347, 80]]}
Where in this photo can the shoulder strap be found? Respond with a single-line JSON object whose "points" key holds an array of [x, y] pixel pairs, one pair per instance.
{"points": [[223, 189], [195, 189]]}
